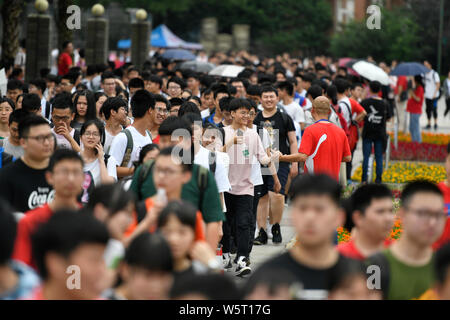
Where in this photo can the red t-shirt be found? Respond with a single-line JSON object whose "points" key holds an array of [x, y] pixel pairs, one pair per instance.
{"points": [[414, 106], [156, 140], [326, 145], [64, 63], [348, 249], [445, 237], [401, 81], [26, 227], [356, 107]]}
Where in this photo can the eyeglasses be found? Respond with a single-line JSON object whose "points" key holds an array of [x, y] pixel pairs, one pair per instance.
{"points": [[161, 110], [42, 139], [91, 134], [252, 114], [425, 214], [166, 172]]}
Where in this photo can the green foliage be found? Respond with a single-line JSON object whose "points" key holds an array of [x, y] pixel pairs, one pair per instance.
{"points": [[398, 38]]}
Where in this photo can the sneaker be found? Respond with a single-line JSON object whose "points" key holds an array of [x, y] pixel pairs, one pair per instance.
{"points": [[428, 127], [276, 233], [227, 264], [241, 268], [247, 261], [435, 127], [261, 239]]}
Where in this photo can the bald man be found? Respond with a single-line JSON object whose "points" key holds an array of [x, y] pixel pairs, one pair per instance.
{"points": [[324, 145]]}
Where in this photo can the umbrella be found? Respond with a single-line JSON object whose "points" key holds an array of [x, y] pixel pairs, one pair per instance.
{"points": [[226, 70], [409, 69], [178, 54], [3, 82], [371, 71], [197, 66], [343, 62]]}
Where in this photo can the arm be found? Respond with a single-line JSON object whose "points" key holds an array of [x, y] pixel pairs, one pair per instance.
{"points": [[347, 159], [361, 116], [104, 176], [298, 157], [294, 151], [213, 234], [124, 172]]}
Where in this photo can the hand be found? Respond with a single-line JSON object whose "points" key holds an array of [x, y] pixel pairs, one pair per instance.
{"points": [[100, 152], [276, 185], [202, 252], [294, 170], [238, 140], [152, 215], [64, 131], [275, 155]]}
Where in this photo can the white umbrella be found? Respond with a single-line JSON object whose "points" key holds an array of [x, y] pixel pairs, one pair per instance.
{"points": [[226, 70], [371, 72], [3, 82]]}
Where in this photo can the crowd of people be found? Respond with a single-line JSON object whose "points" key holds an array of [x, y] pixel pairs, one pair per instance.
{"points": [[157, 182]]}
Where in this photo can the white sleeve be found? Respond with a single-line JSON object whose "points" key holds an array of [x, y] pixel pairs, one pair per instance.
{"points": [[111, 167], [266, 139], [301, 115], [221, 175], [118, 148], [436, 78]]}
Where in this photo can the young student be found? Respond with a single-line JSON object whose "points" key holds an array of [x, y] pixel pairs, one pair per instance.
{"points": [[441, 289], [315, 213], [6, 108], [65, 175], [177, 222], [11, 144], [108, 83], [175, 87], [32, 104], [159, 114], [445, 189], [114, 110], [216, 116], [94, 156], [126, 145], [38, 86], [200, 190], [38, 143], [70, 239], [14, 88], [373, 215], [175, 105], [146, 271], [242, 144], [407, 265], [193, 84], [85, 109], [324, 145], [17, 280], [100, 98], [62, 117], [135, 84], [292, 108]]}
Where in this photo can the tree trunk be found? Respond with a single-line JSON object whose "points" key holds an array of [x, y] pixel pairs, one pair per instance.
{"points": [[64, 34], [11, 11]]}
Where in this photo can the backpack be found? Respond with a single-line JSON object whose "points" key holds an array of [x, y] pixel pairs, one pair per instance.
{"points": [[47, 110], [129, 148], [350, 130]]}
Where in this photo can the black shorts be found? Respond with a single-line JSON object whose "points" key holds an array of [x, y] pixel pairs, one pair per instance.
{"points": [[283, 174]]}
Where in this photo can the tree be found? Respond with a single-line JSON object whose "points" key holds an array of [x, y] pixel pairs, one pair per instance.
{"points": [[11, 10], [398, 38], [64, 34]]}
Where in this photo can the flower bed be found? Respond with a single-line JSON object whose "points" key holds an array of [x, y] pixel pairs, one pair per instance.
{"points": [[403, 172], [427, 137], [344, 235], [418, 151]]}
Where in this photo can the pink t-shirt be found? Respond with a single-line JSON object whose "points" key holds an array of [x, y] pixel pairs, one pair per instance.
{"points": [[241, 156]]}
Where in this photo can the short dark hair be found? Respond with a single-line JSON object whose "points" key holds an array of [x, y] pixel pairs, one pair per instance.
{"points": [[14, 84], [63, 101], [39, 83], [65, 44], [150, 251], [172, 123], [315, 91], [17, 116], [95, 122], [146, 149], [176, 102], [239, 103], [341, 85], [30, 121], [65, 231], [356, 84], [320, 184], [188, 107], [107, 75], [254, 90], [184, 211], [61, 155], [136, 83], [178, 81], [112, 103], [224, 104], [141, 102], [8, 231], [286, 86], [155, 79], [9, 101], [375, 86], [442, 263], [365, 194], [418, 186], [221, 89], [161, 98], [265, 89], [31, 102], [111, 196]]}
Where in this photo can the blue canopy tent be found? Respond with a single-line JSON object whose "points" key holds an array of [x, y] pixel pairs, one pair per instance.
{"points": [[163, 37]]}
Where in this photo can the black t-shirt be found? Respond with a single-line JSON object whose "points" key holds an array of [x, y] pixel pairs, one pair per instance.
{"points": [[279, 139], [24, 188], [375, 121], [316, 283]]}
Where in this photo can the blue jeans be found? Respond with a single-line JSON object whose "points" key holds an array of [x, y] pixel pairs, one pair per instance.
{"points": [[414, 127], [367, 150]]}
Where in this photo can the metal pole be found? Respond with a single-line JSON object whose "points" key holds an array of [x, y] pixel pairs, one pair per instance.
{"points": [[441, 31]]}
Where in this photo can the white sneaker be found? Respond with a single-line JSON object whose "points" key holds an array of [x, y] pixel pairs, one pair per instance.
{"points": [[227, 264], [241, 268], [269, 231]]}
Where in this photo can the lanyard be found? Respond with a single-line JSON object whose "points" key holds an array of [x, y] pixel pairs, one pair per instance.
{"points": [[322, 120]]}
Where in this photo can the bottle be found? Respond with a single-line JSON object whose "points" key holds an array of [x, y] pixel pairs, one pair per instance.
{"points": [[161, 196], [245, 151]]}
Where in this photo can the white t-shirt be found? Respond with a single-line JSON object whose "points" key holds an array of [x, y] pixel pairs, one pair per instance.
{"points": [[295, 111], [108, 141], [119, 146], [345, 104], [61, 141], [431, 79], [221, 174], [94, 168]]}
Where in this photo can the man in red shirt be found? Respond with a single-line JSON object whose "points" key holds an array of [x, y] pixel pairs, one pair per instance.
{"points": [[372, 213], [65, 58], [324, 145], [65, 173], [445, 188]]}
